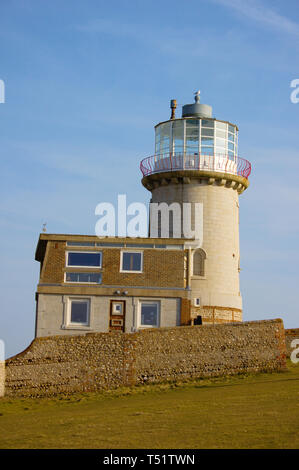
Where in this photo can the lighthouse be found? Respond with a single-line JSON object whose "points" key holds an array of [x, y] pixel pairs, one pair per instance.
{"points": [[196, 161]]}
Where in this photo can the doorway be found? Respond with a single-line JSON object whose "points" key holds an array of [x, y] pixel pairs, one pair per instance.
{"points": [[117, 315]]}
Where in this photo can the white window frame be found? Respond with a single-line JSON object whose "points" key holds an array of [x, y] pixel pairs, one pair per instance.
{"points": [[69, 323], [82, 282], [148, 301], [121, 261], [117, 312], [67, 265]]}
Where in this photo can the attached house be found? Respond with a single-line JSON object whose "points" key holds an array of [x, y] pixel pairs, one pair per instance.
{"points": [[89, 284]]}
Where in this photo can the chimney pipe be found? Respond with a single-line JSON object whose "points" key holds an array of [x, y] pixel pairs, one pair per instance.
{"points": [[173, 105]]}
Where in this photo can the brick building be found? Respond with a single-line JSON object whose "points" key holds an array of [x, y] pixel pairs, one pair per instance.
{"points": [[89, 283]]}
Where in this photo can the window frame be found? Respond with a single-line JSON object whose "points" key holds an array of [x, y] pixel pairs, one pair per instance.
{"points": [[203, 256], [149, 301], [121, 261], [67, 265], [70, 300], [82, 282]]}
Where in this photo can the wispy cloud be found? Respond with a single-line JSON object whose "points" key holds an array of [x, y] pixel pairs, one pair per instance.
{"points": [[260, 13], [210, 43]]}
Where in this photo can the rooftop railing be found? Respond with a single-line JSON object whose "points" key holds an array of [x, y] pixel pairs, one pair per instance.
{"points": [[186, 161]]}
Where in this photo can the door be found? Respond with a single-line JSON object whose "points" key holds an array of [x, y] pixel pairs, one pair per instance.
{"points": [[117, 315]]}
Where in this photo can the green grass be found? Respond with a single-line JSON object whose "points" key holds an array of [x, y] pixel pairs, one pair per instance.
{"points": [[246, 411]]}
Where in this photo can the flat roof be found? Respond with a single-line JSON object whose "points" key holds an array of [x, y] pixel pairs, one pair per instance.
{"points": [[45, 237]]}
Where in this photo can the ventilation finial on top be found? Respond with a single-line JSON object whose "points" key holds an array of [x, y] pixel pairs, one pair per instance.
{"points": [[197, 109], [197, 96]]}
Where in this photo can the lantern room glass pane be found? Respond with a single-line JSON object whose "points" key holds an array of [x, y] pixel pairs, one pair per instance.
{"points": [[178, 136], [221, 142], [207, 141], [165, 138], [207, 132], [221, 133], [220, 152], [192, 136], [207, 150], [157, 140], [207, 123], [221, 125], [231, 128]]}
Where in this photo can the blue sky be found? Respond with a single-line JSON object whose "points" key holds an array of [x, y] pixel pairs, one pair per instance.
{"points": [[86, 81]]}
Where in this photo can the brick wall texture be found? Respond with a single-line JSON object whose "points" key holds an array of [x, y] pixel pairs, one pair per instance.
{"points": [[161, 268], [98, 361], [53, 266], [290, 336]]}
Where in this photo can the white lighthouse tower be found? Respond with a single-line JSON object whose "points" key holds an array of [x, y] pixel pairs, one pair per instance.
{"points": [[196, 161]]}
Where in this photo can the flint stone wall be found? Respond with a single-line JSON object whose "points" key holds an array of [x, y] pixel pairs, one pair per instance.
{"points": [[99, 361]]}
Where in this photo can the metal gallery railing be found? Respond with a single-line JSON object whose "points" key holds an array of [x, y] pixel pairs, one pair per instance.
{"points": [[186, 161]]}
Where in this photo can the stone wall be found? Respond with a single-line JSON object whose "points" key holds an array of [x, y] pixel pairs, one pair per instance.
{"points": [[97, 361], [209, 350], [290, 336]]}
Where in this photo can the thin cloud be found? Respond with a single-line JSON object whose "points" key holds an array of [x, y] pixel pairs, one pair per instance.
{"points": [[262, 14]]}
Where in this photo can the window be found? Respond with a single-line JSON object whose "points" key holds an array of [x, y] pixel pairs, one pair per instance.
{"points": [[131, 261], [207, 141], [199, 263], [117, 308], [84, 259], [178, 136], [206, 123], [207, 132], [79, 312], [192, 135], [94, 278], [110, 244], [149, 314], [221, 125], [207, 150]]}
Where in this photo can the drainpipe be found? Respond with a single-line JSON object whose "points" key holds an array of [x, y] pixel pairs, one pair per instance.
{"points": [[189, 268]]}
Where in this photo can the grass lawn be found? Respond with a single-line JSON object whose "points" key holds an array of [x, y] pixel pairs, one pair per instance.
{"points": [[248, 411]]}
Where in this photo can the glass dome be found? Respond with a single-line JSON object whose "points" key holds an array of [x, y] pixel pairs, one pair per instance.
{"points": [[196, 136]]}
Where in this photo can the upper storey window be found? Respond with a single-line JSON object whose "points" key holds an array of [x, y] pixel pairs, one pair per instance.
{"points": [[84, 259], [131, 261]]}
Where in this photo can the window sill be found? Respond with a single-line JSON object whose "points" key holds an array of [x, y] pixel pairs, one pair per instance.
{"points": [[76, 327], [141, 327], [199, 277], [133, 272]]}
